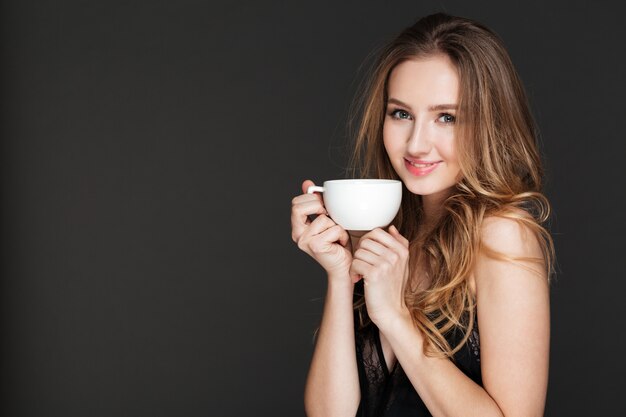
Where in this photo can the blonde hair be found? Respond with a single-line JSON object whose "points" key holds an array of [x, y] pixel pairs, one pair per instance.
{"points": [[500, 166]]}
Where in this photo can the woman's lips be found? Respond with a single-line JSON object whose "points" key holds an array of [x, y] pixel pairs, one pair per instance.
{"points": [[420, 168]]}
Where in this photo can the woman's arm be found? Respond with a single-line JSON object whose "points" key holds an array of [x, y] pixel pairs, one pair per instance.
{"points": [[514, 320], [332, 387], [514, 323]]}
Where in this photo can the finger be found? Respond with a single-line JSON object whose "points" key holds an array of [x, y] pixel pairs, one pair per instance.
{"points": [[300, 212], [333, 234], [309, 207], [320, 224], [396, 234], [302, 198], [313, 196], [300, 219], [372, 246], [393, 247], [305, 188], [344, 238], [305, 185], [299, 203], [366, 256], [359, 267], [325, 240], [382, 237]]}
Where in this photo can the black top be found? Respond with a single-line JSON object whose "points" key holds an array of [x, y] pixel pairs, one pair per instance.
{"points": [[389, 393]]}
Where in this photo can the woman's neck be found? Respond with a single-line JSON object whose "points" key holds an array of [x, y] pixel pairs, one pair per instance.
{"points": [[432, 207]]}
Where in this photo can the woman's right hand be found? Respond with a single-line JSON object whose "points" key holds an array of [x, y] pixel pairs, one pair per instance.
{"points": [[323, 239]]}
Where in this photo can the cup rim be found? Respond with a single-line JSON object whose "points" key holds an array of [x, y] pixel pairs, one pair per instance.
{"points": [[363, 181]]}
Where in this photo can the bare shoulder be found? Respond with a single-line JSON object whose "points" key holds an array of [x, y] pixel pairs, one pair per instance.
{"points": [[510, 236], [505, 244]]}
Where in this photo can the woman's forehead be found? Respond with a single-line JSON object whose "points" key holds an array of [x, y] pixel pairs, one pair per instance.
{"points": [[425, 82]]}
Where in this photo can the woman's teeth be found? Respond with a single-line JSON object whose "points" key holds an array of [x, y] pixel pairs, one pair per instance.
{"points": [[421, 165]]}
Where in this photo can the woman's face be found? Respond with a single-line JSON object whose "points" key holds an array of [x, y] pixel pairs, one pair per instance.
{"points": [[419, 126]]}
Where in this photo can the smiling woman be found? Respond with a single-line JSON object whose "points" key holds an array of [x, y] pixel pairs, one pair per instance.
{"points": [[451, 316], [418, 130]]}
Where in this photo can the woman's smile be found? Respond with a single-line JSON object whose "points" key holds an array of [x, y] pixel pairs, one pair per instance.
{"points": [[420, 168]]}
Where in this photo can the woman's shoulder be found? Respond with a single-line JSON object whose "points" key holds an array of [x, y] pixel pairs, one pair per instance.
{"points": [[507, 241], [511, 233]]}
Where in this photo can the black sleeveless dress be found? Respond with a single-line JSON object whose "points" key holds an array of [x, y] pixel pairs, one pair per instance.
{"points": [[388, 392]]}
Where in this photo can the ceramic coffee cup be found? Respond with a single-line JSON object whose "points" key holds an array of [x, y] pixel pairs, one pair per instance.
{"points": [[358, 204]]}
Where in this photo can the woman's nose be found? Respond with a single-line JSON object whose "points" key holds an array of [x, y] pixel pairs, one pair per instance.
{"points": [[419, 141]]}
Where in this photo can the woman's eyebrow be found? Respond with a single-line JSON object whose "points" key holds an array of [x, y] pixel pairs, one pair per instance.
{"points": [[439, 107], [435, 107], [398, 102]]}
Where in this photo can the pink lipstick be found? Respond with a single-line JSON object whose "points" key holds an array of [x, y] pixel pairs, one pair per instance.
{"points": [[419, 167]]}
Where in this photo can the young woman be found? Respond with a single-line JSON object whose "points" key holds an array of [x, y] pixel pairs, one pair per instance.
{"points": [[446, 312]]}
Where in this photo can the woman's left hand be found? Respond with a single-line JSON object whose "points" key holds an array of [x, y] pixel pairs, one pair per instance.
{"points": [[382, 259]]}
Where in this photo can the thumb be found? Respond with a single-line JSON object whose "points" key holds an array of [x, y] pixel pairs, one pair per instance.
{"points": [[356, 277], [393, 231], [306, 184]]}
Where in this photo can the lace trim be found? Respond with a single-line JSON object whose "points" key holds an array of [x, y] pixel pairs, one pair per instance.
{"points": [[474, 343]]}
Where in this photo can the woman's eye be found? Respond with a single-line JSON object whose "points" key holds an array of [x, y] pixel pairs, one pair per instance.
{"points": [[447, 118], [400, 114]]}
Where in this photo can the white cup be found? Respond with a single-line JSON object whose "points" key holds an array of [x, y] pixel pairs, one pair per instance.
{"points": [[361, 204]]}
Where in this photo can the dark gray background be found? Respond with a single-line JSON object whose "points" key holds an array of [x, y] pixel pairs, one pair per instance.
{"points": [[150, 150]]}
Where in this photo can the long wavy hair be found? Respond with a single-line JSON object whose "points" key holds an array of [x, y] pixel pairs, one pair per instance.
{"points": [[501, 171]]}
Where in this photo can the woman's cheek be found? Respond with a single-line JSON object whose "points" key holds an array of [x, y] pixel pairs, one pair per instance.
{"points": [[392, 139]]}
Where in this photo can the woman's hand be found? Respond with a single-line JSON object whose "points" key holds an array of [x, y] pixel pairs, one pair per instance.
{"points": [[323, 239], [382, 259]]}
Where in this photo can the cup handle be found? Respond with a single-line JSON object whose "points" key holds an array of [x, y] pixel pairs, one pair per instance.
{"points": [[314, 189]]}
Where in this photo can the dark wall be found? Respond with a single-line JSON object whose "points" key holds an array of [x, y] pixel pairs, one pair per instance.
{"points": [[149, 153]]}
